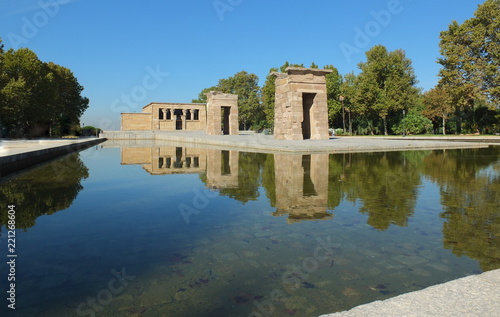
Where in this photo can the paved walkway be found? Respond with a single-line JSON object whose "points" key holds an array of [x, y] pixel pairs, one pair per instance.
{"points": [[477, 295], [16, 155], [14, 147], [267, 143]]}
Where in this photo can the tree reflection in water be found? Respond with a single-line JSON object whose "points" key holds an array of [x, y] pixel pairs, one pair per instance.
{"points": [[44, 190], [469, 184], [385, 185]]}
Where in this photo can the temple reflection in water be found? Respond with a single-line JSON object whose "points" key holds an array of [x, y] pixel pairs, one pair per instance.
{"points": [[386, 188], [302, 186], [166, 160], [299, 190]]}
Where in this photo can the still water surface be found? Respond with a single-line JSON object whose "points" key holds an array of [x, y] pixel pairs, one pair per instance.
{"points": [[178, 231]]}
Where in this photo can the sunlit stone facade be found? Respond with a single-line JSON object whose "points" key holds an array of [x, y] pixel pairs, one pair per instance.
{"points": [[301, 110], [222, 113], [218, 116]]}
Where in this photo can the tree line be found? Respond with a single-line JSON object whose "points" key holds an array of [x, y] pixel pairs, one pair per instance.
{"points": [[383, 97], [37, 98]]}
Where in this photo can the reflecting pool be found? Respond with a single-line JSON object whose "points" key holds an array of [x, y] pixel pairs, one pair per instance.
{"points": [[180, 231]]}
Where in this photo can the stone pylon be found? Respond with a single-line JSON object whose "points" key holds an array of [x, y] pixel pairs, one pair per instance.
{"points": [[222, 113], [301, 109]]}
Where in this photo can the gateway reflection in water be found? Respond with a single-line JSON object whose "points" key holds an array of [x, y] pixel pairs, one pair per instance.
{"points": [[301, 181], [387, 185], [395, 222]]}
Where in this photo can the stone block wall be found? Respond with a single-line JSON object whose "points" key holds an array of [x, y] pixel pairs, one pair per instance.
{"points": [[301, 108], [167, 117], [136, 122], [218, 104], [178, 116]]}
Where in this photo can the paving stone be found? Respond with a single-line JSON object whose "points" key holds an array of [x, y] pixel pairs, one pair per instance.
{"points": [[477, 295], [256, 142]]}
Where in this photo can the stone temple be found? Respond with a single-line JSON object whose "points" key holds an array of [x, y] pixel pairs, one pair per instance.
{"points": [[301, 109], [218, 116]]}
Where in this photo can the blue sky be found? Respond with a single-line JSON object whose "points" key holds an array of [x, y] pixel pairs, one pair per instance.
{"points": [[130, 53]]}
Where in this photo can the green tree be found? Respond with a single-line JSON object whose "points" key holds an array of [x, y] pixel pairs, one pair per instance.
{"points": [[67, 103], [414, 123], [90, 131], [438, 104], [287, 64], [37, 98], [246, 86], [348, 91], [333, 83], [202, 96], [25, 91], [471, 52], [470, 58], [268, 96], [386, 83], [481, 117]]}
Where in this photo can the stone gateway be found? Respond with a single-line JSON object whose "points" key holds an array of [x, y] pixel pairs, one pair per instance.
{"points": [[222, 113], [300, 113], [301, 108]]}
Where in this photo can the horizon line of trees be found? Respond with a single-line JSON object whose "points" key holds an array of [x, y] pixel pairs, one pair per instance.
{"points": [[37, 98], [384, 98]]}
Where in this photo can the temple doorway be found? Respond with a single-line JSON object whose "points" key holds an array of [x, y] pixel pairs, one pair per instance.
{"points": [[307, 103], [225, 120]]}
